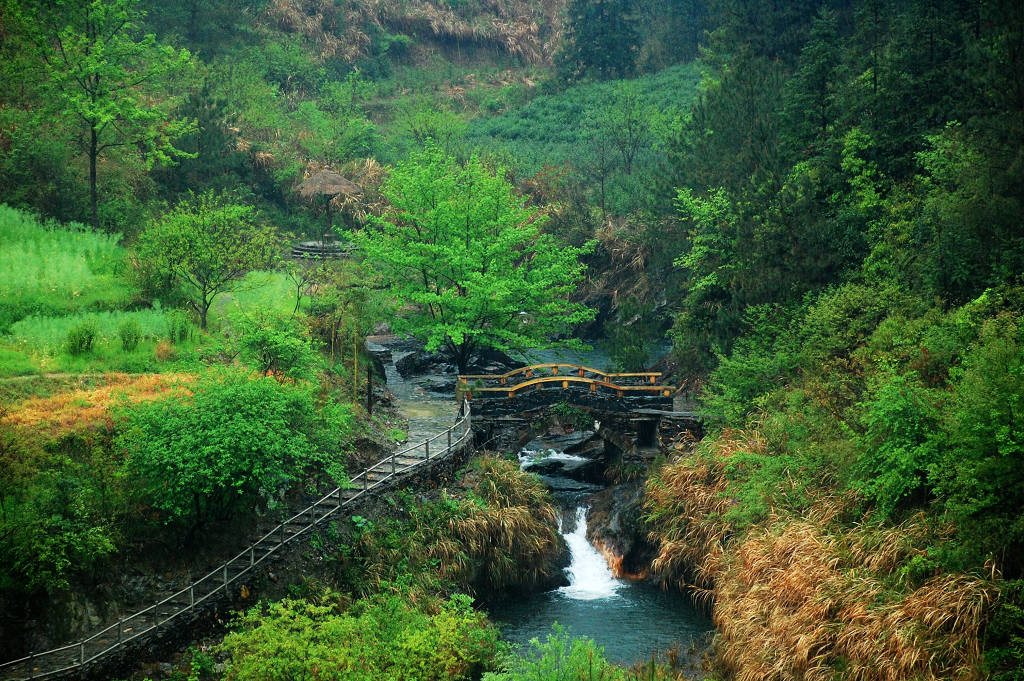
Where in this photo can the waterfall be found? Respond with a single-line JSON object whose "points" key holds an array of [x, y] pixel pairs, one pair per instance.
{"points": [[590, 578]]}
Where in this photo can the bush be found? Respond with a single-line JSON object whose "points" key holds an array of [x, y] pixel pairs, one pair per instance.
{"points": [[130, 333], [179, 326], [898, 447], [560, 657], [234, 442], [382, 638], [80, 338]]}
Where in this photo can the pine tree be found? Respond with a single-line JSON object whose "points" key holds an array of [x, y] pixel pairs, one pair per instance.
{"points": [[601, 40]]}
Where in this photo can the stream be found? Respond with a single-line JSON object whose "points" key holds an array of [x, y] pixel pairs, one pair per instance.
{"points": [[631, 620]]}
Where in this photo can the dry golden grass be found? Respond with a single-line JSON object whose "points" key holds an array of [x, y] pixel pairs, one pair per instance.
{"points": [[339, 30], [72, 410], [796, 601], [687, 500], [804, 597]]}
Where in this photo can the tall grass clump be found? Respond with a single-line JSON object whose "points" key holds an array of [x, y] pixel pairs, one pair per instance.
{"points": [[502, 534], [80, 337], [49, 335], [49, 270]]}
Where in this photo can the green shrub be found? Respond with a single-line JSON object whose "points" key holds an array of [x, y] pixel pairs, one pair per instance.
{"points": [[980, 477], [899, 446], [80, 338], [560, 657], [233, 443], [179, 326], [380, 638], [130, 334]]}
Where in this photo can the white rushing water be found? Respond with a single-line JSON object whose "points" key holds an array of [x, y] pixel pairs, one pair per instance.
{"points": [[590, 578]]}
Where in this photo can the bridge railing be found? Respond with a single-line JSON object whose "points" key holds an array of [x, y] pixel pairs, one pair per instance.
{"points": [[564, 376], [73, 658], [559, 369]]}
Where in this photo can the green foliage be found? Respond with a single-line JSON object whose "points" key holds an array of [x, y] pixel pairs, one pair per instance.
{"points": [[383, 637], [179, 327], [600, 39], [130, 334], [900, 419], [559, 657], [277, 345], [104, 74], [466, 252], [47, 270], [979, 476], [57, 500], [80, 338], [760, 361], [233, 442], [1004, 653], [210, 245]]}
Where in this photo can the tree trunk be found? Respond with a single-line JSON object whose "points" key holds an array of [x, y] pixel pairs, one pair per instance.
{"points": [[204, 309], [93, 195]]}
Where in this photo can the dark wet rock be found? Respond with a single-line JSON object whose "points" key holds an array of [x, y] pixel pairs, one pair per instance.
{"points": [[381, 357], [420, 362], [582, 470], [488, 361], [569, 443], [616, 523], [442, 386]]}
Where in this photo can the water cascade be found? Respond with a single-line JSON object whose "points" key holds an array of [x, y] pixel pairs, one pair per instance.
{"points": [[589, 576]]}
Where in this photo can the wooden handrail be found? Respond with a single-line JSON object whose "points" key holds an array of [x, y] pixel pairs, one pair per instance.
{"points": [[219, 578], [555, 366], [565, 381]]}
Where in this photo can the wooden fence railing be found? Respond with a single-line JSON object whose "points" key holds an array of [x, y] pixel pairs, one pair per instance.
{"points": [[561, 376], [560, 369], [74, 657]]}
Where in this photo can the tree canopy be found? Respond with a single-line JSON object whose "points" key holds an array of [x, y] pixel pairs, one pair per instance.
{"points": [[209, 245], [99, 72], [467, 255]]}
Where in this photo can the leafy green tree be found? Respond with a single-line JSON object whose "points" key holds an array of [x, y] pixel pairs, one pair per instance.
{"points": [[100, 72], [278, 345], [980, 476], [465, 252], [209, 245], [233, 442]]}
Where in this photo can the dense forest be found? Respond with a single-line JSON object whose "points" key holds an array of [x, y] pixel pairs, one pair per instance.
{"points": [[818, 203]]}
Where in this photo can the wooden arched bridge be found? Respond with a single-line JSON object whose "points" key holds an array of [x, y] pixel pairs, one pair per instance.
{"points": [[634, 410], [562, 376]]}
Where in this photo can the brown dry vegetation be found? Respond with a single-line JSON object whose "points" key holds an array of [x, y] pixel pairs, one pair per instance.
{"points": [[504, 536], [527, 30], [803, 597], [89, 408]]}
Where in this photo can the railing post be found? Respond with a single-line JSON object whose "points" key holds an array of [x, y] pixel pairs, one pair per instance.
{"points": [[366, 479], [32, 664], [339, 498], [225, 577], [81, 651], [426, 449], [252, 556], [191, 596], [120, 628], [449, 440]]}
